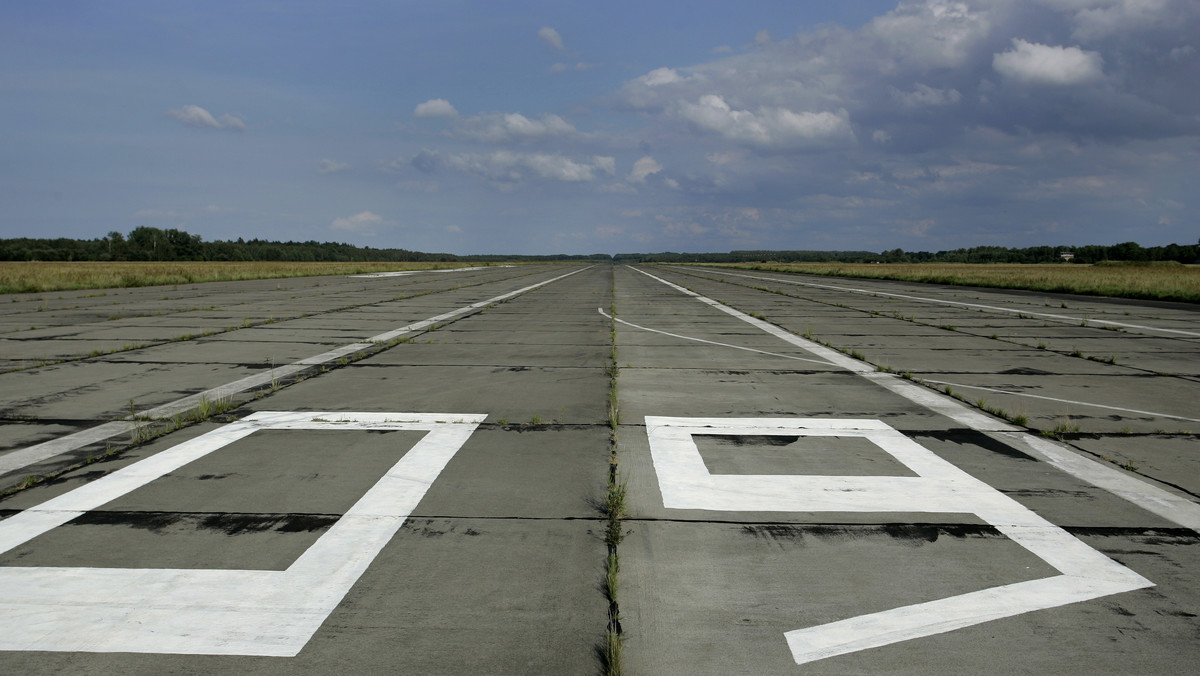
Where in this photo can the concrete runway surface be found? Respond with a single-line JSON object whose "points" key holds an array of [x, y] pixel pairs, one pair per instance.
{"points": [[407, 475]]}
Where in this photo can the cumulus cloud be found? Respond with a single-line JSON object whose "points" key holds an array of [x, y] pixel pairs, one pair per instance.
{"points": [[660, 76], [499, 127], [195, 116], [552, 38], [923, 96], [230, 122], [328, 166], [935, 33], [505, 167], [362, 223], [768, 126], [1033, 63], [435, 108], [1099, 19], [643, 168]]}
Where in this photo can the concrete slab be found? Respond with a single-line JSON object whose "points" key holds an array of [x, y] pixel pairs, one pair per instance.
{"points": [[514, 394], [709, 393], [1170, 460]]}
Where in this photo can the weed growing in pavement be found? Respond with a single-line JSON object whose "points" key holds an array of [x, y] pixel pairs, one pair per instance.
{"points": [[615, 512], [1061, 429]]}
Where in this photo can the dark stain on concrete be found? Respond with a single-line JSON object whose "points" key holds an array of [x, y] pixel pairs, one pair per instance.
{"points": [[752, 439], [964, 437], [230, 523], [914, 535]]}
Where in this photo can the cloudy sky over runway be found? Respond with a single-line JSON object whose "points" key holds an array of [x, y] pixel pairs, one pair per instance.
{"points": [[548, 127]]}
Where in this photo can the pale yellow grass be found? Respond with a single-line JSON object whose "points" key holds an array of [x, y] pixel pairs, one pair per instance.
{"points": [[34, 277], [1168, 282]]}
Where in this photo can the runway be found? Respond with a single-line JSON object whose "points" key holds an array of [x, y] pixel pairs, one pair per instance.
{"points": [[411, 471]]}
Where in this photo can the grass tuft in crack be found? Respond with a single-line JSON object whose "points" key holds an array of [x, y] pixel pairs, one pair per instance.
{"points": [[614, 510]]}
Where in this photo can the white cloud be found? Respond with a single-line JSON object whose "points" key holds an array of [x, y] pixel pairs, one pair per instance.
{"points": [[606, 164], [453, 229], [643, 168], [508, 167], [362, 223], [195, 116], [1033, 63], [332, 166], [497, 127], [769, 126], [1098, 19], [552, 38], [435, 108], [935, 33], [660, 76], [722, 49], [763, 37], [230, 122], [924, 95]]}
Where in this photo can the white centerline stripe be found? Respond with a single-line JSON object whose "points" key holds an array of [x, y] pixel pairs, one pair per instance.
{"points": [[32, 454], [712, 342], [1064, 401], [1149, 497], [1064, 318]]}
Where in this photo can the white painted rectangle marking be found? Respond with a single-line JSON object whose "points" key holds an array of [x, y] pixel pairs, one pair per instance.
{"points": [[216, 612], [940, 487]]}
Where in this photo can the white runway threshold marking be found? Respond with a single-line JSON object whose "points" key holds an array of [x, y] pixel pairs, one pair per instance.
{"points": [[940, 487], [216, 612], [1149, 497], [29, 455]]}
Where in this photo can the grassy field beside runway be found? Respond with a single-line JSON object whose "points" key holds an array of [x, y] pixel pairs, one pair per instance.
{"points": [[1153, 282], [42, 276]]}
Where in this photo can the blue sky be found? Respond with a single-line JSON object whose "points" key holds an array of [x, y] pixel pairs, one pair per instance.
{"points": [[584, 127]]}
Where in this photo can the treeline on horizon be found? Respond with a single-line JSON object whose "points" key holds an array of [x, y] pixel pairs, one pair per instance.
{"points": [[154, 244]]}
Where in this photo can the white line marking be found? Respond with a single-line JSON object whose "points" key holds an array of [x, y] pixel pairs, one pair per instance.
{"points": [[29, 455], [216, 612], [1065, 318], [712, 342], [940, 487], [1151, 498], [946, 406], [1064, 401], [405, 273], [1145, 495]]}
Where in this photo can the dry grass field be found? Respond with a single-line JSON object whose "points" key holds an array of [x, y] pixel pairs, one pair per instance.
{"points": [[36, 277], [1153, 282]]}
